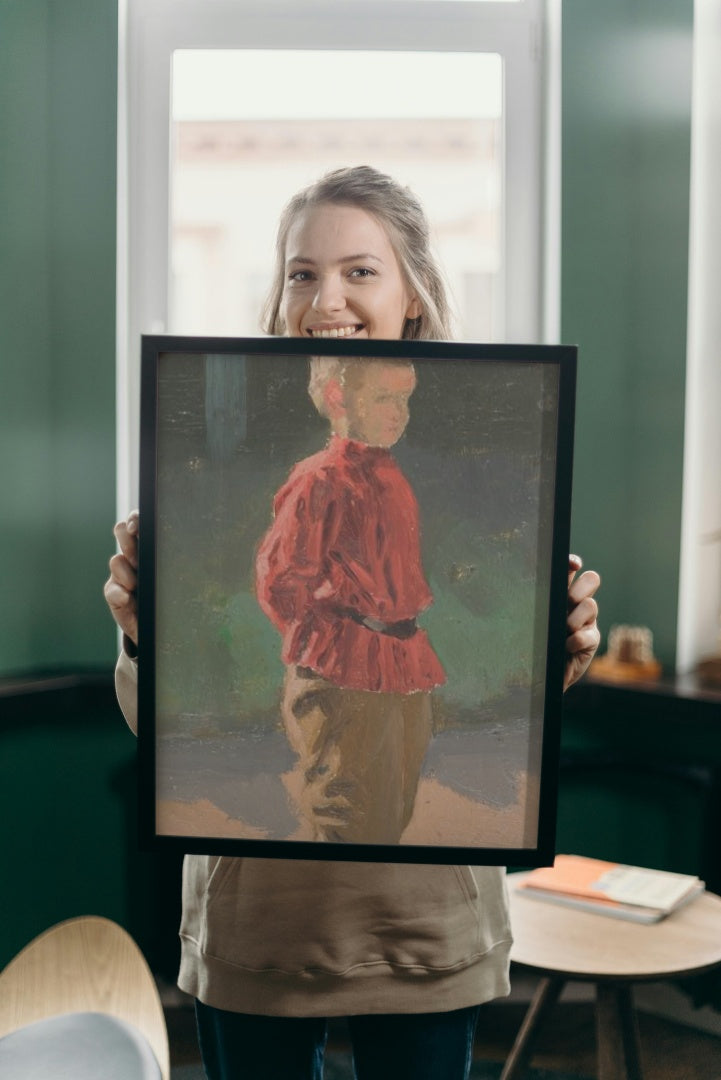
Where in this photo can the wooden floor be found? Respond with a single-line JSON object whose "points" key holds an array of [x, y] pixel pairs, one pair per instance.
{"points": [[567, 1043]]}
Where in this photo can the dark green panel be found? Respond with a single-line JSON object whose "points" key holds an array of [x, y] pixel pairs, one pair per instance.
{"points": [[26, 397], [622, 816], [626, 146], [68, 786], [641, 777], [68, 789], [58, 75], [82, 266]]}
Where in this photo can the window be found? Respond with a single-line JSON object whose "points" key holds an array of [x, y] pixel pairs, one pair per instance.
{"points": [[227, 107], [235, 161]]}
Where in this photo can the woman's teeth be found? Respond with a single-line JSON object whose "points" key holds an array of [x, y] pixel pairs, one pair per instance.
{"points": [[336, 332]]}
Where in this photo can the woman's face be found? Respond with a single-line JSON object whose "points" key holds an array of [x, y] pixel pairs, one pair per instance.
{"points": [[342, 277]]}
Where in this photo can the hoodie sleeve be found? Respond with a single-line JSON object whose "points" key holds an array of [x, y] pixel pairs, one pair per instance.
{"points": [[126, 688]]}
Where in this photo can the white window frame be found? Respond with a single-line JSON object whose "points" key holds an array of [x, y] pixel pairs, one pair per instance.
{"points": [[526, 34], [699, 597]]}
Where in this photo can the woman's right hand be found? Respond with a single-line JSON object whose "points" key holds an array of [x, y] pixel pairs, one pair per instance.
{"points": [[121, 587]]}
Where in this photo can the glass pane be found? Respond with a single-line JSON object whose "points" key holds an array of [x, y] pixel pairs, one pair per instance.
{"points": [[455, 1], [250, 128]]}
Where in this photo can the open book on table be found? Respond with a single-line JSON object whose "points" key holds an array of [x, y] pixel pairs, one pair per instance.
{"points": [[608, 888]]}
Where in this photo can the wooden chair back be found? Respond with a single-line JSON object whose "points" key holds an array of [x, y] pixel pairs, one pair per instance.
{"points": [[87, 964]]}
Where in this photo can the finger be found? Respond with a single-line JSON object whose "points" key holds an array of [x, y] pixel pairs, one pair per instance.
{"points": [[584, 613], [126, 534], [123, 608], [123, 573], [118, 598], [583, 641], [585, 585], [575, 562]]}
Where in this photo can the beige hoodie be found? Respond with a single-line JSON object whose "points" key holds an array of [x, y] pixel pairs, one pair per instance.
{"points": [[298, 938]]}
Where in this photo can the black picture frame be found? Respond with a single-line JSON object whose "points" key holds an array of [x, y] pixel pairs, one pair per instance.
{"points": [[488, 454]]}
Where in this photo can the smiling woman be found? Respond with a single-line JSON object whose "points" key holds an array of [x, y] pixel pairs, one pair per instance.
{"points": [[353, 258]]}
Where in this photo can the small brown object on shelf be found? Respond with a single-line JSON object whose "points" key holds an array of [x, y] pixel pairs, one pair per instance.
{"points": [[629, 657]]}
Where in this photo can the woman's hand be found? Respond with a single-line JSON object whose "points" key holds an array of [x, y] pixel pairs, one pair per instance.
{"points": [[121, 587], [583, 635]]}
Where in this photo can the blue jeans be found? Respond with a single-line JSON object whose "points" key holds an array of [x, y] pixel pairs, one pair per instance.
{"points": [[414, 1046]]}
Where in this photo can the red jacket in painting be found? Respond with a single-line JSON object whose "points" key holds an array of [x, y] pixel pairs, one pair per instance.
{"points": [[344, 547]]}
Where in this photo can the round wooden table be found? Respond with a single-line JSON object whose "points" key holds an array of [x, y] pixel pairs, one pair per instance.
{"points": [[563, 944]]}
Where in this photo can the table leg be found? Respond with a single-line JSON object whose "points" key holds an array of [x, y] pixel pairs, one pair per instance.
{"points": [[545, 997], [617, 1033]]}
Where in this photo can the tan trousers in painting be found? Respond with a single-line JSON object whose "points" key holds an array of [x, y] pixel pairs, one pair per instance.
{"points": [[360, 755]]}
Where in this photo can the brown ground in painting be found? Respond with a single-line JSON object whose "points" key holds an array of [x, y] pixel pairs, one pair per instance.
{"points": [[202, 818], [442, 817]]}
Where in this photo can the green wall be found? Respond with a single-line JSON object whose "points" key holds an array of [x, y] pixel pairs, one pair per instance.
{"points": [[58, 73], [626, 145], [67, 765]]}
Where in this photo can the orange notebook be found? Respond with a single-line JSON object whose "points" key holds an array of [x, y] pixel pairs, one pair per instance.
{"points": [[631, 892]]}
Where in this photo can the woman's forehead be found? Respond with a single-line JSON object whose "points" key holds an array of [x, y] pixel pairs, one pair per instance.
{"points": [[336, 230]]}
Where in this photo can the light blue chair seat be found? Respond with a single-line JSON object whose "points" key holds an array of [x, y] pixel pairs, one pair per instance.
{"points": [[78, 1046]]}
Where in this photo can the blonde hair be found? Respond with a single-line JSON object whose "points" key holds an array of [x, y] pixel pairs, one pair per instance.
{"points": [[403, 217]]}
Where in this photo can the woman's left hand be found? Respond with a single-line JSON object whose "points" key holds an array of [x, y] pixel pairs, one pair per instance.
{"points": [[583, 636]]}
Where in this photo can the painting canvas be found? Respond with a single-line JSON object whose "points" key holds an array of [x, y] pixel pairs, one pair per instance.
{"points": [[352, 597]]}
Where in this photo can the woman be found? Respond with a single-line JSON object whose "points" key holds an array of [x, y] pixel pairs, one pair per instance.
{"points": [[270, 949]]}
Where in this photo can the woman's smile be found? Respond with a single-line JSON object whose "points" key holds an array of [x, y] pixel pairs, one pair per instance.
{"points": [[334, 331]]}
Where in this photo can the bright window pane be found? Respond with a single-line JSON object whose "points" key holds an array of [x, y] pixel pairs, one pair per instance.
{"points": [[462, 1], [252, 127]]}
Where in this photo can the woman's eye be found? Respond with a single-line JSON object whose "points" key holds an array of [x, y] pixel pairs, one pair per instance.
{"points": [[299, 275], [362, 272]]}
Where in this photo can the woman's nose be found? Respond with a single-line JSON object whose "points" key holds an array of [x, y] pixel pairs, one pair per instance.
{"points": [[329, 295]]}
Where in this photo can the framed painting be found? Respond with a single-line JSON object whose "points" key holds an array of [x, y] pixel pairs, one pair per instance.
{"points": [[352, 597]]}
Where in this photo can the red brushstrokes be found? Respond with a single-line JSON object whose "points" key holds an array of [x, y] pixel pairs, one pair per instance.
{"points": [[344, 544]]}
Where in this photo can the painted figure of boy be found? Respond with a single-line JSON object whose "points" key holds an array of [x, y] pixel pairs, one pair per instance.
{"points": [[339, 573]]}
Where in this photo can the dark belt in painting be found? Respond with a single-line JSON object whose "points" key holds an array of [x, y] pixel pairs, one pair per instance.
{"points": [[403, 629]]}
